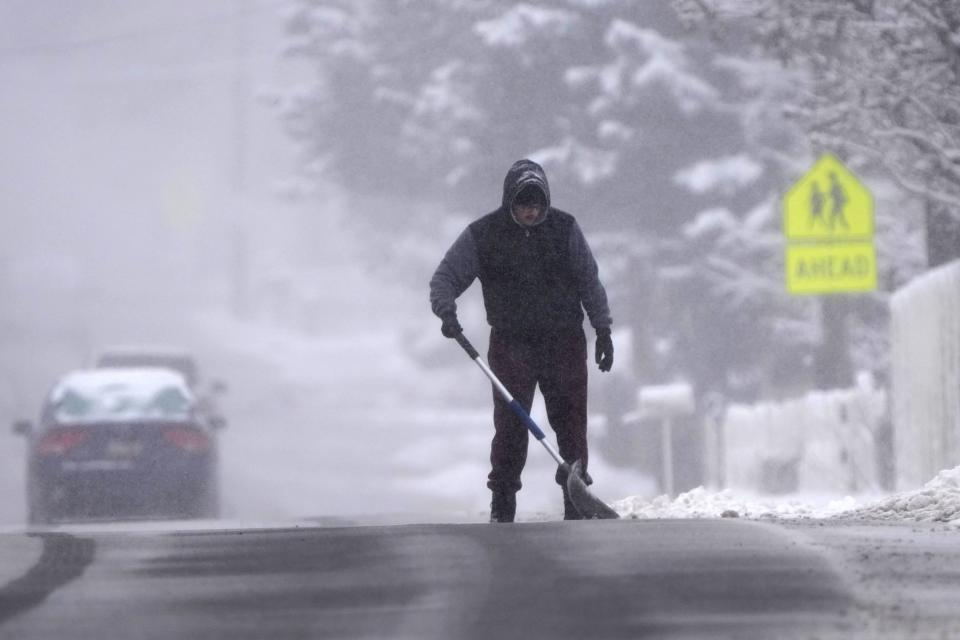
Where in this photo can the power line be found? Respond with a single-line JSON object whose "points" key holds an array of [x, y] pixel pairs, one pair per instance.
{"points": [[107, 39]]}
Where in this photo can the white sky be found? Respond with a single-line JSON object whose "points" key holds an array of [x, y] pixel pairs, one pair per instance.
{"points": [[132, 133]]}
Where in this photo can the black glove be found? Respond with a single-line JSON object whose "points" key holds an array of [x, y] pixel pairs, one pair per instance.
{"points": [[604, 356], [450, 327]]}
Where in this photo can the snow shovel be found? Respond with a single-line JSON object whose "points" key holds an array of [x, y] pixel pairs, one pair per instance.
{"points": [[589, 506]]}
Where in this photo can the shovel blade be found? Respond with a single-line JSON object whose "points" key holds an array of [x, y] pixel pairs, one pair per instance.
{"points": [[589, 506]]}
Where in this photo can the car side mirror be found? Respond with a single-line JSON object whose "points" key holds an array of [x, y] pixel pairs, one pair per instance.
{"points": [[22, 427], [218, 422]]}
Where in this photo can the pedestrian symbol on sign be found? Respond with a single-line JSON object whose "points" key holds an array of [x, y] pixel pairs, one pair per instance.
{"points": [[816, 204], [838, 204], [839, 197]]}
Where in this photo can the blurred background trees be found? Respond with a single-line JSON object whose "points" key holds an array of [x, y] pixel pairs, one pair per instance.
{"points": [[882, 85], [669, 131]]}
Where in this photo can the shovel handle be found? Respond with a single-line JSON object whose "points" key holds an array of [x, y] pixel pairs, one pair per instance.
{"points": [[463, 342], [514, 404]]}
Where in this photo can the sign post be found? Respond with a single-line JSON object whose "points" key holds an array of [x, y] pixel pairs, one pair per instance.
{"points": [[666, 402], [828, 224]]}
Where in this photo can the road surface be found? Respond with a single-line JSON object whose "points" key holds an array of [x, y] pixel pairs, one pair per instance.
{"points": [[619, 579], [604, 579]]}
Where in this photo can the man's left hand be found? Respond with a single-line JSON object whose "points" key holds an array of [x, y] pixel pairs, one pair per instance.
{"points": [[604, 354]]}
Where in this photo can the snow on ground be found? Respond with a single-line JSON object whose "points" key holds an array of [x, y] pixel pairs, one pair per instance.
{"points": [[937, 501], [702, 503]]}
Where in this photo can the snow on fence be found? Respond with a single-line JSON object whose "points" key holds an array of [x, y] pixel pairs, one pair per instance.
{"points": [[925, 357], [822, 442]]}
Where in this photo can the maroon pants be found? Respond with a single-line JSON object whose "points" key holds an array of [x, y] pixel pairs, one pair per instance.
{"points": [[558, 363]]}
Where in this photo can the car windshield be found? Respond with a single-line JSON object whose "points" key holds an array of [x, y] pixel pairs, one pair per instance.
{"points": [[110, 395]]}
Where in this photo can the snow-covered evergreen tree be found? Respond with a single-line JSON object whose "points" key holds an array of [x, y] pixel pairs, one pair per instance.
{"points": [[671, 149], [882, 84]]}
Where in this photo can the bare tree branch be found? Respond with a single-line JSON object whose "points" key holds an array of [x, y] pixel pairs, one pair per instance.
{"points": [[945, 157]]}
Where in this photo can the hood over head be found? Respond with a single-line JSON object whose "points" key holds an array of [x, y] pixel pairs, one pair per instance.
{"points": [[526, 176]]}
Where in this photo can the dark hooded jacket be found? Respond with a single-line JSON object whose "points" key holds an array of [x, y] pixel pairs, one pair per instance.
{"points": [[535, 279]]}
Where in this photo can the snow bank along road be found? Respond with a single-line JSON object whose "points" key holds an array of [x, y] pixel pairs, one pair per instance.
{"points": [[620, 579]]}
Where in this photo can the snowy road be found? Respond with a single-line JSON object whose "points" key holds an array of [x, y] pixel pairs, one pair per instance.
{"points": [[625, 579], [609, 579]]}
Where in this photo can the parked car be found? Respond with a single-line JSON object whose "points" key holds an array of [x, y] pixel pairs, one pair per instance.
{"points": [[120, 442]]}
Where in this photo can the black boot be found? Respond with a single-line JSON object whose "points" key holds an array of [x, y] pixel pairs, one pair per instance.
{"points": [[503, 507]]}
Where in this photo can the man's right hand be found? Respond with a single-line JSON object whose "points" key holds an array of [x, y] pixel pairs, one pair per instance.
{"points": [[450, 327], [604, 350]]}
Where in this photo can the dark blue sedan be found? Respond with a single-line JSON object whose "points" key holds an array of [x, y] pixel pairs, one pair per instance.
{"points": [[121, 443]]}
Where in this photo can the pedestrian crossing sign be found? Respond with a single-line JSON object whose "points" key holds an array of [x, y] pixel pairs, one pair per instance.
{"points": [[828, 225], [828, 203]]}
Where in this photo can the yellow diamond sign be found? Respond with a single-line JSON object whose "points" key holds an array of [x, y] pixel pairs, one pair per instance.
{"points": [[828, 203], [828, 224]]}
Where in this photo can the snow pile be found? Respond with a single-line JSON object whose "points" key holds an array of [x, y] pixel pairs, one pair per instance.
{"points": [[701, 503], [938, 500]]}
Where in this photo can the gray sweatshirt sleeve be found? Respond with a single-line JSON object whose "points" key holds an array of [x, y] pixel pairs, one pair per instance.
{"points": [[457, 271], [592, 294]]}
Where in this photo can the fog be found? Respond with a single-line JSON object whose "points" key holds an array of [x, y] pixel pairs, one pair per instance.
{"points": [[141, 168], [144, 202], [269, 185]]}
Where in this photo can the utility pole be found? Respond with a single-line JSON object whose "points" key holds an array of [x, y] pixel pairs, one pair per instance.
{"points": [[833, 368], [240, 258]]}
